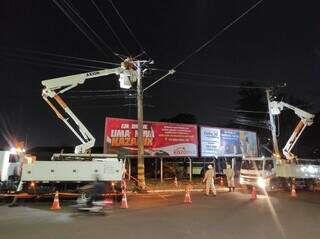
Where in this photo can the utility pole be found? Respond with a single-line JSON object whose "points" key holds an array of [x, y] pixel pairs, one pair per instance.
{"points": [[273, 126], [141, 177]]}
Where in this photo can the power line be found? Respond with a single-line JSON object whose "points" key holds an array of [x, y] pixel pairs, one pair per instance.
{"points": [[104, 91], [231, 78], [208, 84], [129, 30], [109, 25], [44, 64], [241, 110], [79, 27], [59, 55], [206, 43], [216, 35], [77, 13], [85, 67]]}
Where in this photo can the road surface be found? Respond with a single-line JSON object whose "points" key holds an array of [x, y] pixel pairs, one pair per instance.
{"points": [[153, 216]]}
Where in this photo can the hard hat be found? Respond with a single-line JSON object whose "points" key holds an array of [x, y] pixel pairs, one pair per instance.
{"points": [[209, 166]]}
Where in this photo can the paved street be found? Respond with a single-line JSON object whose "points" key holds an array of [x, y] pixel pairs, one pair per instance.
{"points": [[229, 215]]}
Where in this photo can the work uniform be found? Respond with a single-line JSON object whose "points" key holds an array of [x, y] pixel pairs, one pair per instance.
{"points": [[209, 180], [230, 178]]}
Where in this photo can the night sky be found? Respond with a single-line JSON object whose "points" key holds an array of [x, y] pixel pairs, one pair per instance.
{"points": [[277, 42]]}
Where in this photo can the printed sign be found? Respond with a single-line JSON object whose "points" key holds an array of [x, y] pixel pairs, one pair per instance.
{"points": [[160, 139], [222, 142]]}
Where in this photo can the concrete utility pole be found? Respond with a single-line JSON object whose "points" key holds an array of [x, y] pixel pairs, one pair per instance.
{"points": [[141, 177], [273, 126]]}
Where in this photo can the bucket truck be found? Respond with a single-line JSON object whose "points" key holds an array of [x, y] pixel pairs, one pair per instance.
{"points": [[81, 167], [267, 173]]}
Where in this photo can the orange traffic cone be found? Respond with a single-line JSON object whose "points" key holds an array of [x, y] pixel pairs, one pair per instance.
{"points": [[175, 182], [221, 181], [187, 198], [124, 203], [293, 191], [56, 204], [254, 193]]}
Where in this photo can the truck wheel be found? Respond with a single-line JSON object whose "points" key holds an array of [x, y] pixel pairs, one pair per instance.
{"points": [[85, 196]]}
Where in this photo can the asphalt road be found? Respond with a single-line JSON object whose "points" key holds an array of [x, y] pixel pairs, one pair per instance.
{"points": [[229, 215]]}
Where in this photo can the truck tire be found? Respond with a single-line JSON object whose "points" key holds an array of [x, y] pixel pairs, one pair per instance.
{"points": [[85, 196]]}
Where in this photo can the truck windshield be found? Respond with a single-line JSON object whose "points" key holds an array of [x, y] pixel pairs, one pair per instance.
{"points": [[252, 164]]}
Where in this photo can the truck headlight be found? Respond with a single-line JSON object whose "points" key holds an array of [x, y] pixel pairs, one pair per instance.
{"points": [[261, 182], [241, 180]]}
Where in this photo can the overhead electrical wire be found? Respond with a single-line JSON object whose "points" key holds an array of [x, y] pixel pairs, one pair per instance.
{"points": [[58, 55], [79, 27], [83, 67], [210, 76], [99, 96], [104, 91], [216, 35], [44, 64], [208, 84], [208, 42], [111, 28], [129, 30], [73, 16], [77, 13]]}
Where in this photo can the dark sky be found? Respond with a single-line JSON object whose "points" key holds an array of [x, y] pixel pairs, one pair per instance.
{"points": [[279, 41]]}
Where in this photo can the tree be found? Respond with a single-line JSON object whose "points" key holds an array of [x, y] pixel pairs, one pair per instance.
{"points": [[184, 118], [252, 112]]}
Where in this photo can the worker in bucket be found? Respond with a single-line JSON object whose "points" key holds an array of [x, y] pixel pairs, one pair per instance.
{"points": [[209, 180], [230, 177]]}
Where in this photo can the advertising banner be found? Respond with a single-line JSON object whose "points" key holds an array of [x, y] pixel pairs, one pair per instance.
{"points": [[160, 139], [222, 142]]}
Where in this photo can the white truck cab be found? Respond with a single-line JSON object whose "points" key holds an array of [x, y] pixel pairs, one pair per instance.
{"points": [[10, 169], [258, 172]]}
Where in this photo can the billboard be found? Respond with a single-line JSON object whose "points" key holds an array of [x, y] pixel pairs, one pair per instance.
{"points": [[222, 142], [160, 139]]}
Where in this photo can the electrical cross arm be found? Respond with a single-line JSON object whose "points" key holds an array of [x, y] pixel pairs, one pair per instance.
{"points": [[306, 119], [53, 88]]}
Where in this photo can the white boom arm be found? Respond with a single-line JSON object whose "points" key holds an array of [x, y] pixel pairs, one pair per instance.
{"points": [[54, 87], [306, 119]]}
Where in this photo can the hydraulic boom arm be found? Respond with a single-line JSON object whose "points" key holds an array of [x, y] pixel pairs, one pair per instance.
{"points": [[53, 88], [306, 119]]}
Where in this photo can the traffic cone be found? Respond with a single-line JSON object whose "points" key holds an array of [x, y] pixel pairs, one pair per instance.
{"points": [[175, 182], [293, 191], [187, 198], [254, 193], [56, 203], [124, 203], [221, 181]]}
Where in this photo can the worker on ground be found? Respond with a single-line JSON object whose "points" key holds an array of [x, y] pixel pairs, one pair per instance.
{"points": [[230, 177], [209, 180]]}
